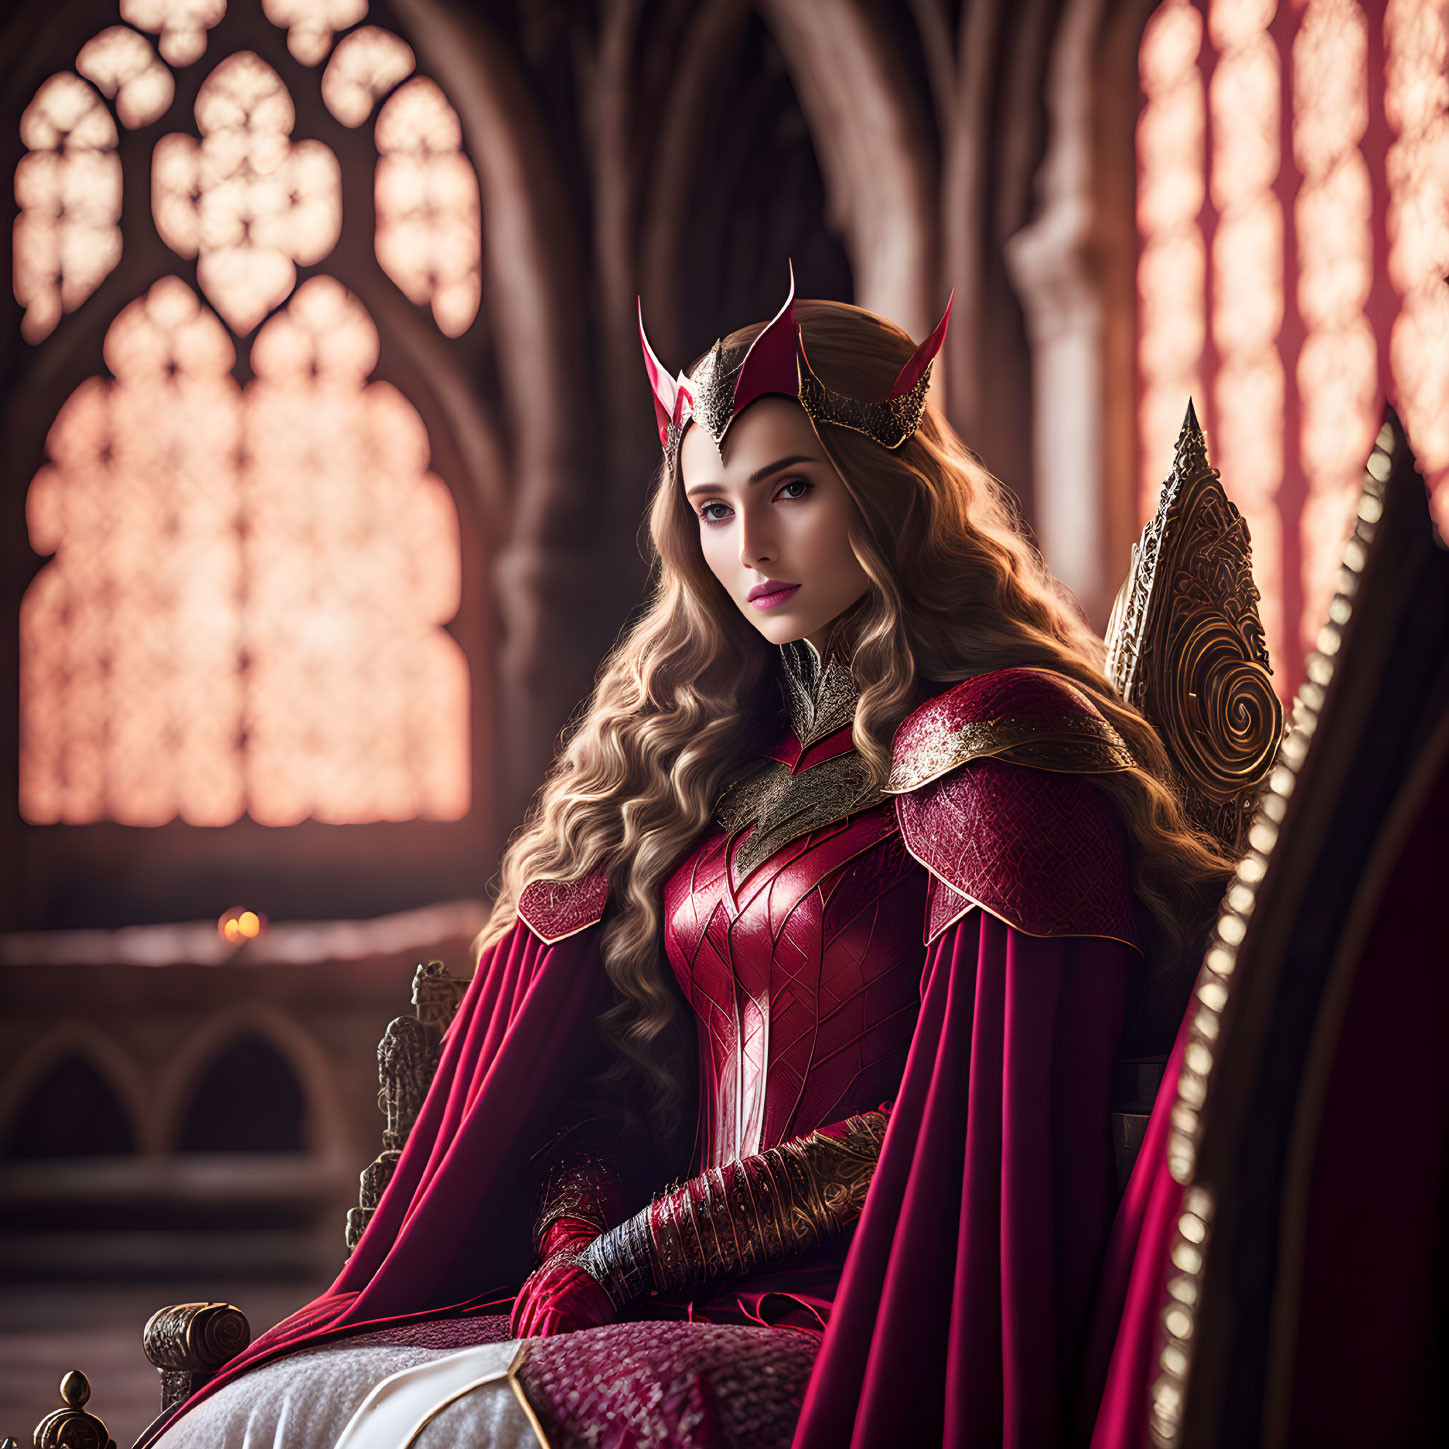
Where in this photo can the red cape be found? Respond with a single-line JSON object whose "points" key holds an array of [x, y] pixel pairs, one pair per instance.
{"points": [[963, 1314]]}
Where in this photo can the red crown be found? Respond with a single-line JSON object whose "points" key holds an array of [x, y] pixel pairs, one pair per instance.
{"points": [[726, 381]]}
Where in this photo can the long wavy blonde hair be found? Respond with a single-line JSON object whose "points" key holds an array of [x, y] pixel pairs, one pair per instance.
{"points": [[687, 696]]}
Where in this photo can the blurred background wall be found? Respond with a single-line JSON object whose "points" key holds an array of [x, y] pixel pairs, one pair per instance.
{"points": [[327, 442]]}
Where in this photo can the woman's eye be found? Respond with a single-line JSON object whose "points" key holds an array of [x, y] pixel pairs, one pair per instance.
{"points": [[708, 514], [794, 488]]}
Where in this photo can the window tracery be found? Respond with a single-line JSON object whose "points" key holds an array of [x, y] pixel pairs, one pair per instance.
{"points": [[247, 200], [124, 69], [428, 227], [311, 24], [1172, 262], [366, 64], [1247, 284], [180, 24], [244, 605], [1416, 33], [1338, 362], [68, 186], [277, 647]]}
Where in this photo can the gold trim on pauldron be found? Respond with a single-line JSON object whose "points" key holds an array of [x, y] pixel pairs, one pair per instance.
{"points": [[1076, 745], [758, 1212]]}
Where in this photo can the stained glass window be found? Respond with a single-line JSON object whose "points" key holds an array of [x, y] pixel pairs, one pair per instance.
{"points": [[1256, 272], [244, 608], [366, 64], [427, 205], [68, 186], [250, 562], [246, 199], [181, 24]]}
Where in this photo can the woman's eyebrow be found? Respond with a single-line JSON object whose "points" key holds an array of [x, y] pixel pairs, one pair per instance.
{"points": [[759, 475]]}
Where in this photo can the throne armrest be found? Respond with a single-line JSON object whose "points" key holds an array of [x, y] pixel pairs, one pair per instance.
{"points": [[189, 1342]]}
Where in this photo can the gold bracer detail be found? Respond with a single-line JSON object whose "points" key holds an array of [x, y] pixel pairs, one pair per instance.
{"points": [[756, 1213], [578, 1186]]}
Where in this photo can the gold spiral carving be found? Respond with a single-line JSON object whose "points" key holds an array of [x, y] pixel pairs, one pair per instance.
{"points": [[1221, 710], [1186, 646], [196, 1337], [218, 1333]]}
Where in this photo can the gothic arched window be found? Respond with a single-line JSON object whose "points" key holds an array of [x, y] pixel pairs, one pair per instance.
{"points": [[1293, 213], [250, 572]]}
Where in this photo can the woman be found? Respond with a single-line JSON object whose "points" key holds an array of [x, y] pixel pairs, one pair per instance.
{"points": [[827, 914]]}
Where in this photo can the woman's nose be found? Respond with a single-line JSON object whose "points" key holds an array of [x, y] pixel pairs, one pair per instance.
{"points": [[757, 542]]}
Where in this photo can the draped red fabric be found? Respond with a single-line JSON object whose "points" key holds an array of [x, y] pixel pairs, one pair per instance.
{"points": [[1124, 1339], [453, 1225], [962, 1314]]}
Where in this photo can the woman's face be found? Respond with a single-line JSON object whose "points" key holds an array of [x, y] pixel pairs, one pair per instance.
{"points": [[774, 521]]}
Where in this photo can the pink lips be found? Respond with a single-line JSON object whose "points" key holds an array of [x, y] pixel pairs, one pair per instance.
{"points": [[770, 593]]}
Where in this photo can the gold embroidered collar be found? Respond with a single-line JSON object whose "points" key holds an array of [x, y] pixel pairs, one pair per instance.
{"points": [[784, 803]]}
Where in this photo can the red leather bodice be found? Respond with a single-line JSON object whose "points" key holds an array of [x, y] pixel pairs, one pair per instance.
{"points": [[804, 977]]}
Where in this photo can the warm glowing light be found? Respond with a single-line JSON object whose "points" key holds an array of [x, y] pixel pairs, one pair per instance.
{"points": [[357, 698], [238, 925], [246, 199], [244, 607], [1416, 39], [1247, 263], [1338, 363], [366, 64], [68, 187], [1171, 266], [124, 714], [124, 67], [181, 24], [428, 224], [310, 24]]}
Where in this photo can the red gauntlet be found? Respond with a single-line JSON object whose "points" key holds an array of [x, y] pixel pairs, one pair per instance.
{"points": [[733, 1220], [578, 1200]]}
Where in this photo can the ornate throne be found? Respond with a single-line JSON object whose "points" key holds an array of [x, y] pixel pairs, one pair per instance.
{"points": [[1184, 645]]}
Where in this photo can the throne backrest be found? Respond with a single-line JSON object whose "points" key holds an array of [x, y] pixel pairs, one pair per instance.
{"points": [[1185, 645], [407, 1058]]}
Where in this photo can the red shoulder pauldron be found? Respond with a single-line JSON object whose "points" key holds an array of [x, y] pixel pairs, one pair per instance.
{"points": [[555, 909], [991, 799]]}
